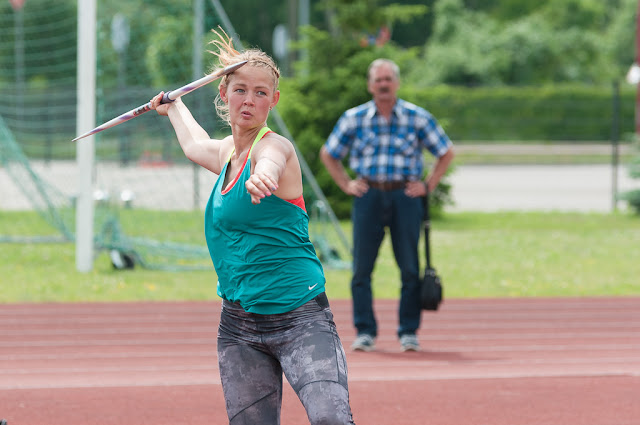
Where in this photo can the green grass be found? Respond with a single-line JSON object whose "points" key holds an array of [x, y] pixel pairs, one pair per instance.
{"points": [[476, 254], [538, 254]]}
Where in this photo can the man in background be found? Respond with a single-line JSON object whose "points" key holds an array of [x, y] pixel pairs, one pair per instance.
{"points": [[384, 139]]}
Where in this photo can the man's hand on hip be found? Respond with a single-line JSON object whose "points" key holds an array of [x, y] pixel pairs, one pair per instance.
{"points": [[357, 187], [415, 189]]}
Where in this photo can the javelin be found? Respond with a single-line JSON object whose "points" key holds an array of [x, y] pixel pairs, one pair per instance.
{"points": [[167, 98]]}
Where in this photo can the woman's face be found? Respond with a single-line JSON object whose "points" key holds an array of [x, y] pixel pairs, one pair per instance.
{"points": [[250, 94]]}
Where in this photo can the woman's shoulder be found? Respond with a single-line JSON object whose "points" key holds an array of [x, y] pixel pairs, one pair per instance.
{"points": [[273, 138], [225, 146]]}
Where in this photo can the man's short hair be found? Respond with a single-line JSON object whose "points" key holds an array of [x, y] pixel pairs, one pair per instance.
{"points": [[379, 62]]}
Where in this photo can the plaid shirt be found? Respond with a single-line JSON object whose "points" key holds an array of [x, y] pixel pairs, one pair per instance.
{"points": [[387, 150]]}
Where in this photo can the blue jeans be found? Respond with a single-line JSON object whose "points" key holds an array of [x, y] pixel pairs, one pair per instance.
{"points": [[371, 214]]}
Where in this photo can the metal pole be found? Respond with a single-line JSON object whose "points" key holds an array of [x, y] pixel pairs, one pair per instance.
{"points": [[226, 23], [18, 27], [198, 32], [124, 155], [85, 120], [292, 22], [615, 155], [303, 20], [638, 62]]}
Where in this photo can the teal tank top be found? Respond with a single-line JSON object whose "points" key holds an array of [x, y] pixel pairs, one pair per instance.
{"points": [[262, 253]]}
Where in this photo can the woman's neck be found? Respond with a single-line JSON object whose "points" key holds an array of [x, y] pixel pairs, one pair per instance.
{"points": [[243, 138]]}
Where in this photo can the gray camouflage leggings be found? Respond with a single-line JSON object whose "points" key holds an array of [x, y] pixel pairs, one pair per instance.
{"points": [[254, 350]]}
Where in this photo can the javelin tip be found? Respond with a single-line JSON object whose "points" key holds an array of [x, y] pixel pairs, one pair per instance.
{"points": [[82, 136]]}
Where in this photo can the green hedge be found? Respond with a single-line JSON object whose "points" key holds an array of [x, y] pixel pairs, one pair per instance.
{"points": [[560, 113]]}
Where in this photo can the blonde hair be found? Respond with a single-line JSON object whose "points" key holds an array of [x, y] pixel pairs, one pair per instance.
{"points": [[228, 55]]}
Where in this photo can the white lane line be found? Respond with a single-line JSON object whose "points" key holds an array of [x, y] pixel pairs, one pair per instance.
{"points": [[448, 346], [628, 361], [483, 336], [109, 356], [632, 363], [585, 307], [458, 313], [110, 331], [205, 381], [151, 384], [109, 369], [494, 375], [112, 343]]}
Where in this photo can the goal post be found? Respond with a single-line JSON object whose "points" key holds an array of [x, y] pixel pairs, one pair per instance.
{"points": [[85, 120]]}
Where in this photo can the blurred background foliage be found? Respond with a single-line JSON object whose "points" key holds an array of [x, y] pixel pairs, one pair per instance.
{"points": [[489, 70]]}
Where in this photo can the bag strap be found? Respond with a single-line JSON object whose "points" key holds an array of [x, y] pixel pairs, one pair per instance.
{"points": [[427, 225]]}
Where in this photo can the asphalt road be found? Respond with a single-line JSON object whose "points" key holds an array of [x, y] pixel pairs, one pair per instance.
{"points": [[580, 188], [474, 187]]}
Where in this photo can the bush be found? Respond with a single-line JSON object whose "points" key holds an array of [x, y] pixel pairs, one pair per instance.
{"points": [[633, 199], [633, 196], [557, 112]]}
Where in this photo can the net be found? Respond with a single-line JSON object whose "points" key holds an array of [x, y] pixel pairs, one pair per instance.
{"points": [[149, 199]]}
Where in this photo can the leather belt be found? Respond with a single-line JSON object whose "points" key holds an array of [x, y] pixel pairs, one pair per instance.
{"points": [[387, 186]]}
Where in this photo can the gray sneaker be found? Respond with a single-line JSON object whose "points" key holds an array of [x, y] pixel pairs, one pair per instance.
{"points": [[364, 342], [409, 343]]}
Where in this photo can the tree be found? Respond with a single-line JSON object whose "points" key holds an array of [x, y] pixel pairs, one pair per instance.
{"points": [[558, 41], [336, 81]]}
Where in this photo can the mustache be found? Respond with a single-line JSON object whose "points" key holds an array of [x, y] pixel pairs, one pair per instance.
{"points": [[384, 90]]}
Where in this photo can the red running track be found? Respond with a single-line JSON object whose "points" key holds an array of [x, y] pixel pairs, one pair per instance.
{"points": [[571, 361]]}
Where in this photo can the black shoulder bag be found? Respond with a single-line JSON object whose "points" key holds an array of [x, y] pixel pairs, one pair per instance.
{"points": [[431, 289]]}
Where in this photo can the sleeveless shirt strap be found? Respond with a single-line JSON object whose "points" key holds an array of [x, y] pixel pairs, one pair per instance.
{"points": [[260, 135]]}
